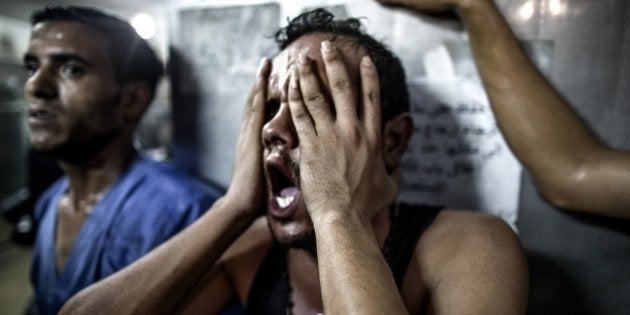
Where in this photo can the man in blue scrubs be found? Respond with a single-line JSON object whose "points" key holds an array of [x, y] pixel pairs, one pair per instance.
{"points": [[90, 79]]}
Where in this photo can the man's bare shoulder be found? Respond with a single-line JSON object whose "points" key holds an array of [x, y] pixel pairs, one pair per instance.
{"points": [[475, 258], [463, 235], [459, 227]]}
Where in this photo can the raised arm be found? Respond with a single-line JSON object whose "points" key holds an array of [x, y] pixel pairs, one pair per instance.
{"points": [[158, 282], [345, 184], [571, 167]]}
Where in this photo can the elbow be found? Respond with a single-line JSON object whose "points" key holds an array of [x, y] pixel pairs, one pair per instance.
{"points": [[597, 184], [568, 183], [557, 198], [563, 192], [571, 192]]}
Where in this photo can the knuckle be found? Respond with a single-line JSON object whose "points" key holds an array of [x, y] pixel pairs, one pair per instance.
{"points": [[257, 109], [316, 97], [355, 136], [304, 70], [373, 96], [294, 97], [300, 115], [331, 56], [341, 85]]}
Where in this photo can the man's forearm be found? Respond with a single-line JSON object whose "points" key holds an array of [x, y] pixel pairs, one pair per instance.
{"points": [[532, 114], [569, 164], [156, 283], [355, 278]]}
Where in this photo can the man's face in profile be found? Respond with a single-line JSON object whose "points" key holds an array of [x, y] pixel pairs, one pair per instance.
{"points": [[286, 212], [71, 89]]}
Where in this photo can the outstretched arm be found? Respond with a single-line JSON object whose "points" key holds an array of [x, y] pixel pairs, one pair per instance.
{"points": [[571, 167], [158, 282], [345, 184]]}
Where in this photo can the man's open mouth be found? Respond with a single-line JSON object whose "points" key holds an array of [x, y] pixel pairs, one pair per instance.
{"points": [[284, 192], [286, 197]]}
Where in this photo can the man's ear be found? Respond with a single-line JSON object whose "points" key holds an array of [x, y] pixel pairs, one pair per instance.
{"points": [[396, 134], [135, 98]]}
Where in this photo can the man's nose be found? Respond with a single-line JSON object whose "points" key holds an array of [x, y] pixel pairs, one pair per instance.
{"points": [[41, 85], [279, 132]]}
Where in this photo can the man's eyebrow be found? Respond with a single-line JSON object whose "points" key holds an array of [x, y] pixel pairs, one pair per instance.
{"points": [[60, 57]]}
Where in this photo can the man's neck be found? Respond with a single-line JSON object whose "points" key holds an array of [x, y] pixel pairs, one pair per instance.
{"points": [[88, 180]]}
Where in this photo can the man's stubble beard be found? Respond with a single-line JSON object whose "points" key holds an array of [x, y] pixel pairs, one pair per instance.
{"points": [[305, 240]]}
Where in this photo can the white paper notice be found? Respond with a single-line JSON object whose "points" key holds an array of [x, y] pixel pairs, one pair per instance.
{"points": [[457, 156]]}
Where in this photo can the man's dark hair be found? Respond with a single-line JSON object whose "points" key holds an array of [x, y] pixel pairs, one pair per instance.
{"points": [[393, 85], [130, 54]]}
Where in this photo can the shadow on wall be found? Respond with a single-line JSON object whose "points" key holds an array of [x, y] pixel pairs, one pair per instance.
{"points": [[186, 107], [578, 262], [552, 290], [620, 226]]}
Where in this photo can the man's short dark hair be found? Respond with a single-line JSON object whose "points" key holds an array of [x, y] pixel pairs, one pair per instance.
{"points": [[132, 57], [393, 84]]}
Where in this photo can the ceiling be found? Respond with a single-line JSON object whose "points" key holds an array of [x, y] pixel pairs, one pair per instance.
{"points": [[127, 5]]}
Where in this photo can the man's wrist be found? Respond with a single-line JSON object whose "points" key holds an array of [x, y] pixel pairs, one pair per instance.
{"points": [[465, 7], [339, 216], [236, 207]]}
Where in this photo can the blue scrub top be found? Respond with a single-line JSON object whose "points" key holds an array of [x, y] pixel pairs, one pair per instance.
{"points": [[149, 203]]}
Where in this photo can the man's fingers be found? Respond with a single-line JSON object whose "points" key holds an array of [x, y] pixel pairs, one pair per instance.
{"points": [[312, 94], [371, 93], [254, 112], [304, 125], [260, 95], [339, 82]]}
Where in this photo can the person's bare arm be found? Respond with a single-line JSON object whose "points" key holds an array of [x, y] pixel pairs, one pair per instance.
{"points": [[571, 167], [473, 264], [344, 184], [158, 282]]}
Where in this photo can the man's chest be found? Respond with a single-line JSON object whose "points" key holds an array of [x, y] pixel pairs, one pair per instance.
{"points": [[69, 223]]}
